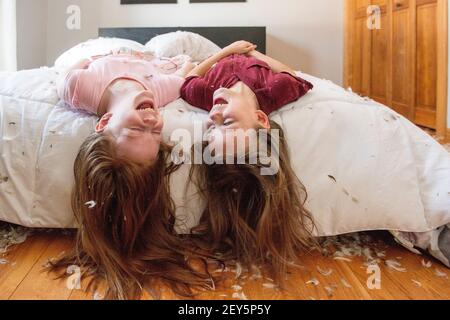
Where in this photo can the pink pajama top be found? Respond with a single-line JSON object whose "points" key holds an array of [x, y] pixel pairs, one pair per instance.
{"points": [[84, 88]]}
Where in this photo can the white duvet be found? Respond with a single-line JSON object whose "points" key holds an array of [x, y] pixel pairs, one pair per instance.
{"points": [[365, 167]]}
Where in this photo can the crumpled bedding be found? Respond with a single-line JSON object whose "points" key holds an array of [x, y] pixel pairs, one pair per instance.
{"points": [[365, 167]]}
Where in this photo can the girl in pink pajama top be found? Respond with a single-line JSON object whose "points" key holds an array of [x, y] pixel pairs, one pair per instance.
{"points": [[126, 91]]}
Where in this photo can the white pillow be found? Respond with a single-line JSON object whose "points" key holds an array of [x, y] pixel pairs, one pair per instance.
{"points": [[181, 42], [94, 47]]}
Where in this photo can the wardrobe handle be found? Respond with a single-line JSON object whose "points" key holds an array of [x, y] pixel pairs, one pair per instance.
{"points": [[399, 4]]}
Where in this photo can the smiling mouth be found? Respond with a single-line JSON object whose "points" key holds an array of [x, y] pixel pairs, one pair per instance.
{"points": [[220, 101], [146, 106]]}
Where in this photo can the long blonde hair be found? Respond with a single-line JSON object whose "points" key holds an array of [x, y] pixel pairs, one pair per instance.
{"points": [[254, 218], [126, 224]]}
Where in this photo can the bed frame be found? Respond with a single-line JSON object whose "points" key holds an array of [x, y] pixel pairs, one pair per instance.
{"points": [[222, 36]]}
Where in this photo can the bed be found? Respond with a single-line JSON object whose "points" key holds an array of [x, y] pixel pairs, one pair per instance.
{"points": [[222, 36], [365, 166]]}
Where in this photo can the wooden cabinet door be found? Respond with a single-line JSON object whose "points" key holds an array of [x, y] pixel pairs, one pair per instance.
{"points": [[426, 63], [358, 40], [380, 55], [398, 64], [403, 58]]}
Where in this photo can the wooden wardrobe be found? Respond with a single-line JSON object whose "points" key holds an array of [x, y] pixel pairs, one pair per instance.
{"points": [[404, 63]]}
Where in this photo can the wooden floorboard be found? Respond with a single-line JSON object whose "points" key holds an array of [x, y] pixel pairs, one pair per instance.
{"points": [[38, 284], [21, 259], [22, 277]]}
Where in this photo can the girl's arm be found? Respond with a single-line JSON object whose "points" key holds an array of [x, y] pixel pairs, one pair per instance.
{"points": [[61, 80], [275, 65], [239, 47], [187, 67]]}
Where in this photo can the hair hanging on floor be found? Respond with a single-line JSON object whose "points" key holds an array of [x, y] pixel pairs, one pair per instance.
{"points": [[126, 225], [254, 218]]}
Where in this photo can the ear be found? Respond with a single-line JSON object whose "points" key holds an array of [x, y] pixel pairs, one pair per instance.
{"points": [[103, 123], [263, 119]]}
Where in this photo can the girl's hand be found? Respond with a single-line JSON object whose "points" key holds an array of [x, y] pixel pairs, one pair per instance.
{"points": [[187, 67], [125, 50], [239, 47]]}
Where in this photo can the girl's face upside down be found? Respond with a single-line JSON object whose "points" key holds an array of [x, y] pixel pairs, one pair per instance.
{"points": [[133, 121], [233, 109]]}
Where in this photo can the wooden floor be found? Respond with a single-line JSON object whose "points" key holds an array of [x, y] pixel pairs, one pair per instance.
{"points": [[319, 277]]}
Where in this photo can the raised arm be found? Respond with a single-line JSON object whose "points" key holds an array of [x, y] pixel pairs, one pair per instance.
{"points": [[275, 65], [239, 47]]}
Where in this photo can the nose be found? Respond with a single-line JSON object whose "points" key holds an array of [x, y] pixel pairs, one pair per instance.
{"points": [[216, 116], [150, 121]]}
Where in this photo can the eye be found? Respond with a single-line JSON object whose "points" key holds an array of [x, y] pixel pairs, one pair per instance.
{"points": [[209, 129], [228, 123], [209, 124]]}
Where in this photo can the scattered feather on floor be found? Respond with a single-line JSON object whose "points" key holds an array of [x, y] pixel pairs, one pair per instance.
{"points": [[345, 283], [313, 281], [269, 285], [427, 264], [236, 287], [440, 274], [395, 265], [256, 273], [240, 296], [417, 283], [330, 292], [98, 296], [12, 235], [354, 245], [323, 272]]}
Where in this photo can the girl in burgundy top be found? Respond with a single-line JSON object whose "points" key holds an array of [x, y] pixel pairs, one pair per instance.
{"points": [[241, 90], [249, 217]]}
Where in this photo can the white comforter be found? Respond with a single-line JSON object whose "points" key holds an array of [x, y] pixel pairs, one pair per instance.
{"points": [[365, 167]]}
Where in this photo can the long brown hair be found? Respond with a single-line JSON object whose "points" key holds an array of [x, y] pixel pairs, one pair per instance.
{"points": [[254, 218], [126, 224]]}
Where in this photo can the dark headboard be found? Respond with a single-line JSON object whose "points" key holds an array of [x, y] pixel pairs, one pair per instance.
{"points": [[222, 36]]}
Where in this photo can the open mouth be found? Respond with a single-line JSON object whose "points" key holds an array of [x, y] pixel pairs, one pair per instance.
{"points": [[220, 101], [145, 106]]}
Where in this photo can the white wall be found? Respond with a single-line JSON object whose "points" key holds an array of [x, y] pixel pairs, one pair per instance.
{"points": [[8, 39], [31, 33], [303, 33]]}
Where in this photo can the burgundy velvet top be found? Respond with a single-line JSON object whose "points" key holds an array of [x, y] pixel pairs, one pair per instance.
{"points": [[273, 90]]}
